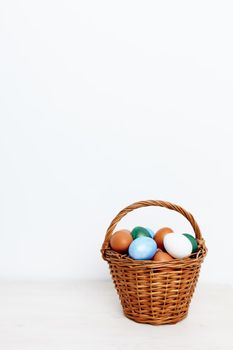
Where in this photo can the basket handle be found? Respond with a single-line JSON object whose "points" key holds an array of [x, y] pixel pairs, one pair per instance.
{"points": [[147, 203]]}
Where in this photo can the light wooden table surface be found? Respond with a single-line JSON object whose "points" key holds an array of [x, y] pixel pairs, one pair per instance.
{"points": [[87, 315]]}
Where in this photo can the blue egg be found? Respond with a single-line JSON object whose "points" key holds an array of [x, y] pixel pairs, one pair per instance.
{"points": [[142, 248], [150, 232]]}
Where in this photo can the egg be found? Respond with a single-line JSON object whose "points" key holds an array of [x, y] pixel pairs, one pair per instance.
{"points": [[142, 248], [121, 240], [160, 234], [150, 232], [162, 256], [177, 245], [139, 231], [193, 242]]}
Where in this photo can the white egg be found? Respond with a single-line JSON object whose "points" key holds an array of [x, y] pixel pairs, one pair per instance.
{"points": [[177, 245]]}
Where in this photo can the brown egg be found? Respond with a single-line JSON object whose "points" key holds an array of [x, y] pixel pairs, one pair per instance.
{"points": [[162, 256], [159, 236], [121, 240]]}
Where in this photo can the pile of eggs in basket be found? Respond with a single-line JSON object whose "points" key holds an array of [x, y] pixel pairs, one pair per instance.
{"points": [[143, 244]]}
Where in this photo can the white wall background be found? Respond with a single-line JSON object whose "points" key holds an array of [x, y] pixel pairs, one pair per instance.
{"points": [[104, 103]]}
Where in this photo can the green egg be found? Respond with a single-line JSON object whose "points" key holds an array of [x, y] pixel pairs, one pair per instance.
{"points": [[140, 232], [193, 241]]}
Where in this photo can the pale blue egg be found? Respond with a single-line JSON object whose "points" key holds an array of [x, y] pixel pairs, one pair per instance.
{"points": [[142, 248], [150, 232]]}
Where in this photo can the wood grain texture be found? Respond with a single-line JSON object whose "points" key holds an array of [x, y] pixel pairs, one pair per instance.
{"points": [[86, 315]]}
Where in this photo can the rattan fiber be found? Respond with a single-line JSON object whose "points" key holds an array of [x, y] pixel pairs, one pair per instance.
{"points": [[154, 292]]}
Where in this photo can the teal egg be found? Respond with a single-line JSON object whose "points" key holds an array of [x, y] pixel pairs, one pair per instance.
{"points": [[139, 231], [193, 242], [150, 232], [142, 248]]}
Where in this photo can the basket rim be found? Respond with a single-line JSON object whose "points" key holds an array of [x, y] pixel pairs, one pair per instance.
{"points": [[124, 260]]}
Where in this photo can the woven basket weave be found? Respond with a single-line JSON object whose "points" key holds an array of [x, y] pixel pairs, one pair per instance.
{"points": [[154, 292]]}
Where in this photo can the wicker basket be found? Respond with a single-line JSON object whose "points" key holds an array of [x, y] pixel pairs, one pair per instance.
{"points": [[154, 292]]}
